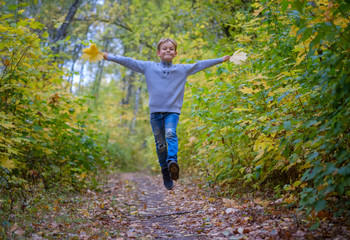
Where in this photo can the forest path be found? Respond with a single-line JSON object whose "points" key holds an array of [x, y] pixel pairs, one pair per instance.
{"points": [[159, 213], [137, 206], [189, 212]]}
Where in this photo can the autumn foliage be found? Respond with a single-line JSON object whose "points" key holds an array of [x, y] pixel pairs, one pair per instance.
{"points": [[282, 120], [278, 122], [45, 136]]}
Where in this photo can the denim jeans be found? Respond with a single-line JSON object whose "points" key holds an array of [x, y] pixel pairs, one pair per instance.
{"points": [[164, 130]]}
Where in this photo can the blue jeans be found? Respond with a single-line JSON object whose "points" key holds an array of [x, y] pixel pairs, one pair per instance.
{"points": [[164, 130]]}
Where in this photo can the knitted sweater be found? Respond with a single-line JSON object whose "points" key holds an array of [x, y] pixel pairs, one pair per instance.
{"points": [[165, 81]]}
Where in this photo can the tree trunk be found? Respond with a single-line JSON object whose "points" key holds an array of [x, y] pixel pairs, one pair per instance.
{"points": [[137, 103], [97, 82], [62, 31], [129, 82], [81, 78], [98, 78], [136, 109]]}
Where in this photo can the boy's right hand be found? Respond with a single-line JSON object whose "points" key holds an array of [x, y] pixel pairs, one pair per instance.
{"points": [[105, 55]]}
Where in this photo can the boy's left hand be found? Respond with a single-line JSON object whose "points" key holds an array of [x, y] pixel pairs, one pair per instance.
{"points": [[226, 58]]}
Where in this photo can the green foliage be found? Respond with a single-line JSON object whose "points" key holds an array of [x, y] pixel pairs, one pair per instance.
{"points": [[124, 143], [282, 118], [45, 133], [280, 121]]}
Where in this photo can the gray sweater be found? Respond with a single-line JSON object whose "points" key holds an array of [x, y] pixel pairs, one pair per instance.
{"points": [[165, 81]]}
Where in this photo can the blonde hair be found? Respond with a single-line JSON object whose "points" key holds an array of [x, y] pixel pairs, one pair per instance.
{"points": [[164, 40]]}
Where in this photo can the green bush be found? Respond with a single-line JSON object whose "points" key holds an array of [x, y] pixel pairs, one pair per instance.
{"points": [[45, 132]]}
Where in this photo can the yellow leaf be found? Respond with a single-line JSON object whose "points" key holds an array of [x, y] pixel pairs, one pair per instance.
{"points": [[241, 109], [300, 59], [7, 125], [260, 76], [12, 151], [9, 15], [262, 118], [293, 31], [341, 22], [258, 11], [85, 213], [229, 202], [92, 54], [5, 139], [263, 142], [3, 28], [244, 39], [6, 162], [260, 154], [248, 90]]}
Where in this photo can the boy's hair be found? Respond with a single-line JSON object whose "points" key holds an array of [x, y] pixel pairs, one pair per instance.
{"points": [[164, 40]]}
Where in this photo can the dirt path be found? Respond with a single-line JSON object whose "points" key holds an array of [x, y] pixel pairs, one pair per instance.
{"points": [[137, 206], [158, 212], [190, 213]]}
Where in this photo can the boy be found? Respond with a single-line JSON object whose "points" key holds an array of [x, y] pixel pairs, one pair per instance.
{"points": [[166, 86]]}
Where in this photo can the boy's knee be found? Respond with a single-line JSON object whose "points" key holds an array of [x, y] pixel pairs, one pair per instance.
{"points": [[161, 147], [170, 132]]}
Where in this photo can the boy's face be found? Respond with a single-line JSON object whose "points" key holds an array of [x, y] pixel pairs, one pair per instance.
{"points": [[167, 51]]}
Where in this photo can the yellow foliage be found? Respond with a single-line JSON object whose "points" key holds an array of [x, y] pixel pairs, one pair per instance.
{"points": [[6, 162], [3, 28], [258, 11], [293, 31], [241, 109], [248, 90], [263, 143], [300, 58], [7, 125], [244, 39]]}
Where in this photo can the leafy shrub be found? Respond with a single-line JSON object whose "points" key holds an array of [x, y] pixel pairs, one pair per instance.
{"points": [[281, 120], [45, 132]]}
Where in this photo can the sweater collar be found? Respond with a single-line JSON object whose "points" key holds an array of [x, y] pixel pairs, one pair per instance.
{"points": [[166, 64]]}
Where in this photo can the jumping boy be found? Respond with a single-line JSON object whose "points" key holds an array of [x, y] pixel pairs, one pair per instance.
{"points": [[166, 87]]}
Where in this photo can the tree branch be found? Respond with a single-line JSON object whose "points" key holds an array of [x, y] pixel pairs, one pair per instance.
{"points": [[104, 20], [63, 29]]}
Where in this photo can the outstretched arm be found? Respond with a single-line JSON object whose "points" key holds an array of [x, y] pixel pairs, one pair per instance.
{"points": [[200, 65], [136, 65]]}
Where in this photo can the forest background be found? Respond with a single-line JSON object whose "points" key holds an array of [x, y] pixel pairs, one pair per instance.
{"points": [[277, 124]]}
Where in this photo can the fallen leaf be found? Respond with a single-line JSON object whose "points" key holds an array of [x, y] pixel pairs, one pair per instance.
{"points": [[54, 225], [20, 232], [231, 210], [229, 203]]}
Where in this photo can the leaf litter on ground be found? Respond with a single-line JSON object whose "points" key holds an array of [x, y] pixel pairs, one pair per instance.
{"points": [[137, 206]]}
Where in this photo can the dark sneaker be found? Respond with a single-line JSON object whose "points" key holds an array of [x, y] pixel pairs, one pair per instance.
{"points": [[174, 170], [168, 183]]}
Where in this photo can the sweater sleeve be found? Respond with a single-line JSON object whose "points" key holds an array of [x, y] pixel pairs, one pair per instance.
{"points": [[200, 65], [136, 65]]}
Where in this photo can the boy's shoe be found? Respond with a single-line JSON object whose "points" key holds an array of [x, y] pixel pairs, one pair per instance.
{"points": [[174, 170], [168, 183]]}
